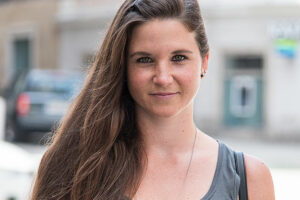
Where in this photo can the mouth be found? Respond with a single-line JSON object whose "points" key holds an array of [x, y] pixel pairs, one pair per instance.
{"points": [[164, 95]]}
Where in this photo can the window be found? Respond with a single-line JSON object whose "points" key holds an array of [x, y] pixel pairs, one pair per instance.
{"points": [[21, 55], [243, 96]]}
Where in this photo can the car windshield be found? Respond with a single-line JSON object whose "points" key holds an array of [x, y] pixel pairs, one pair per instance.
{"points": [[54, 82]]}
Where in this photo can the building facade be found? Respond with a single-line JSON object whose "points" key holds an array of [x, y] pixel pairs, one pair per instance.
{"points": [[28, 37], [253, 81], [253, 78], [82, 24]]}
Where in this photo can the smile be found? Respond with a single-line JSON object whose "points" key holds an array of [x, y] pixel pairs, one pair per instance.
{"points": [[164, 95]]}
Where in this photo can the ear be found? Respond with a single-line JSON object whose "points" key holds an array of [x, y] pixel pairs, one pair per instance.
{"points": [[204, 66]]}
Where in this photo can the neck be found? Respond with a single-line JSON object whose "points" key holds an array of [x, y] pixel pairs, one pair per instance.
{"points": [[167, 135]]}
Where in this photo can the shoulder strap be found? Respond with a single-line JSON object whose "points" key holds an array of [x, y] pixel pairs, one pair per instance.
{"points": [[241, 171]]}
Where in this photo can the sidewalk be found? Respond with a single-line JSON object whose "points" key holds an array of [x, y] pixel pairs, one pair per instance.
{"points": [[286, 183], [283, 158]]}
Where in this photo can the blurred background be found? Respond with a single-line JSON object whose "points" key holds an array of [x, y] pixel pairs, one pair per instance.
{"points": [[249, 98]]}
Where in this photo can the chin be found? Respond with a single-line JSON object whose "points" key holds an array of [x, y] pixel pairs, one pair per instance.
{"points": [[161, 111], [165, 113]]}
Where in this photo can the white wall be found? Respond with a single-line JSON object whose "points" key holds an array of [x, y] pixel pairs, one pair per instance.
{"points": [[82, 25], [74, 44], [283, 95]]}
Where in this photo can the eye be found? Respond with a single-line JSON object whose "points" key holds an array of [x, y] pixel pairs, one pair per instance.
{"points": [[144, 60], [179, 58]]}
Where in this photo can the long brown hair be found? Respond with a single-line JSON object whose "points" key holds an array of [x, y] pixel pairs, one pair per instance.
{"points": [[97, 153]]}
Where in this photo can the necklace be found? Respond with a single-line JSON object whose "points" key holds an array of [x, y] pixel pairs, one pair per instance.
{"points": [[187, 171]]}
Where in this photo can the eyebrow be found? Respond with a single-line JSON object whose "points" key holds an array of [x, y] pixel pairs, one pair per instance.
{"points": [[182, 51], [143, 53], [140, 53]]}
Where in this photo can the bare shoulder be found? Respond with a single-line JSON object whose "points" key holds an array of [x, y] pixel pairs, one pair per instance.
{"points": [[259, 179]]}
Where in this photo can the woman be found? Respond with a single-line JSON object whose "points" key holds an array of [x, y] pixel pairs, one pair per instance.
{"points": [[130, 132]]}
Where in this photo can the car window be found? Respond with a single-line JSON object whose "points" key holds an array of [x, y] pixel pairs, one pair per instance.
{"points": [[54, 83]]}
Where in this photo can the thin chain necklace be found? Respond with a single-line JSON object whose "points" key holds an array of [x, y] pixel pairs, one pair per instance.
{"points": [[188, 169]]}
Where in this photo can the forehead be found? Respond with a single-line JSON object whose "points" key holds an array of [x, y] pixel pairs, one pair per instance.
{"points": [[161, 33]]}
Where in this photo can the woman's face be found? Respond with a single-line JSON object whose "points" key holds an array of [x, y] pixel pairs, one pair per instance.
{"points": [[164, 67]]}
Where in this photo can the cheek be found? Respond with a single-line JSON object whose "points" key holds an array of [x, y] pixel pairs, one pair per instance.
{"points": [[135, 81], [191, 78], [191, 83]]}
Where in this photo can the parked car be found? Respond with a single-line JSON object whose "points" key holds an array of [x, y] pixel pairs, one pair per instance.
{"points": [[17, 170], [38, 100]]}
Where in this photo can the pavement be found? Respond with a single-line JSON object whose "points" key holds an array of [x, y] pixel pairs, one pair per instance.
{"points": [[275, 154], [283, 158]]}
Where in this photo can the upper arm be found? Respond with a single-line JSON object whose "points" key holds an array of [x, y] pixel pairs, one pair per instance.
{"points": [[259, 180]]}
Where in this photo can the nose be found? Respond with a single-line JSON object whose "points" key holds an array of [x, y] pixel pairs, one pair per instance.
{"points": [[163, 75]]}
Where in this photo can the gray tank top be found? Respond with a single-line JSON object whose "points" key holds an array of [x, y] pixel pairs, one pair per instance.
{"points": [[226, 181]]}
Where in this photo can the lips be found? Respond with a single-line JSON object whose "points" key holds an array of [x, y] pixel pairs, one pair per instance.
{"points": [[164, 95]]}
